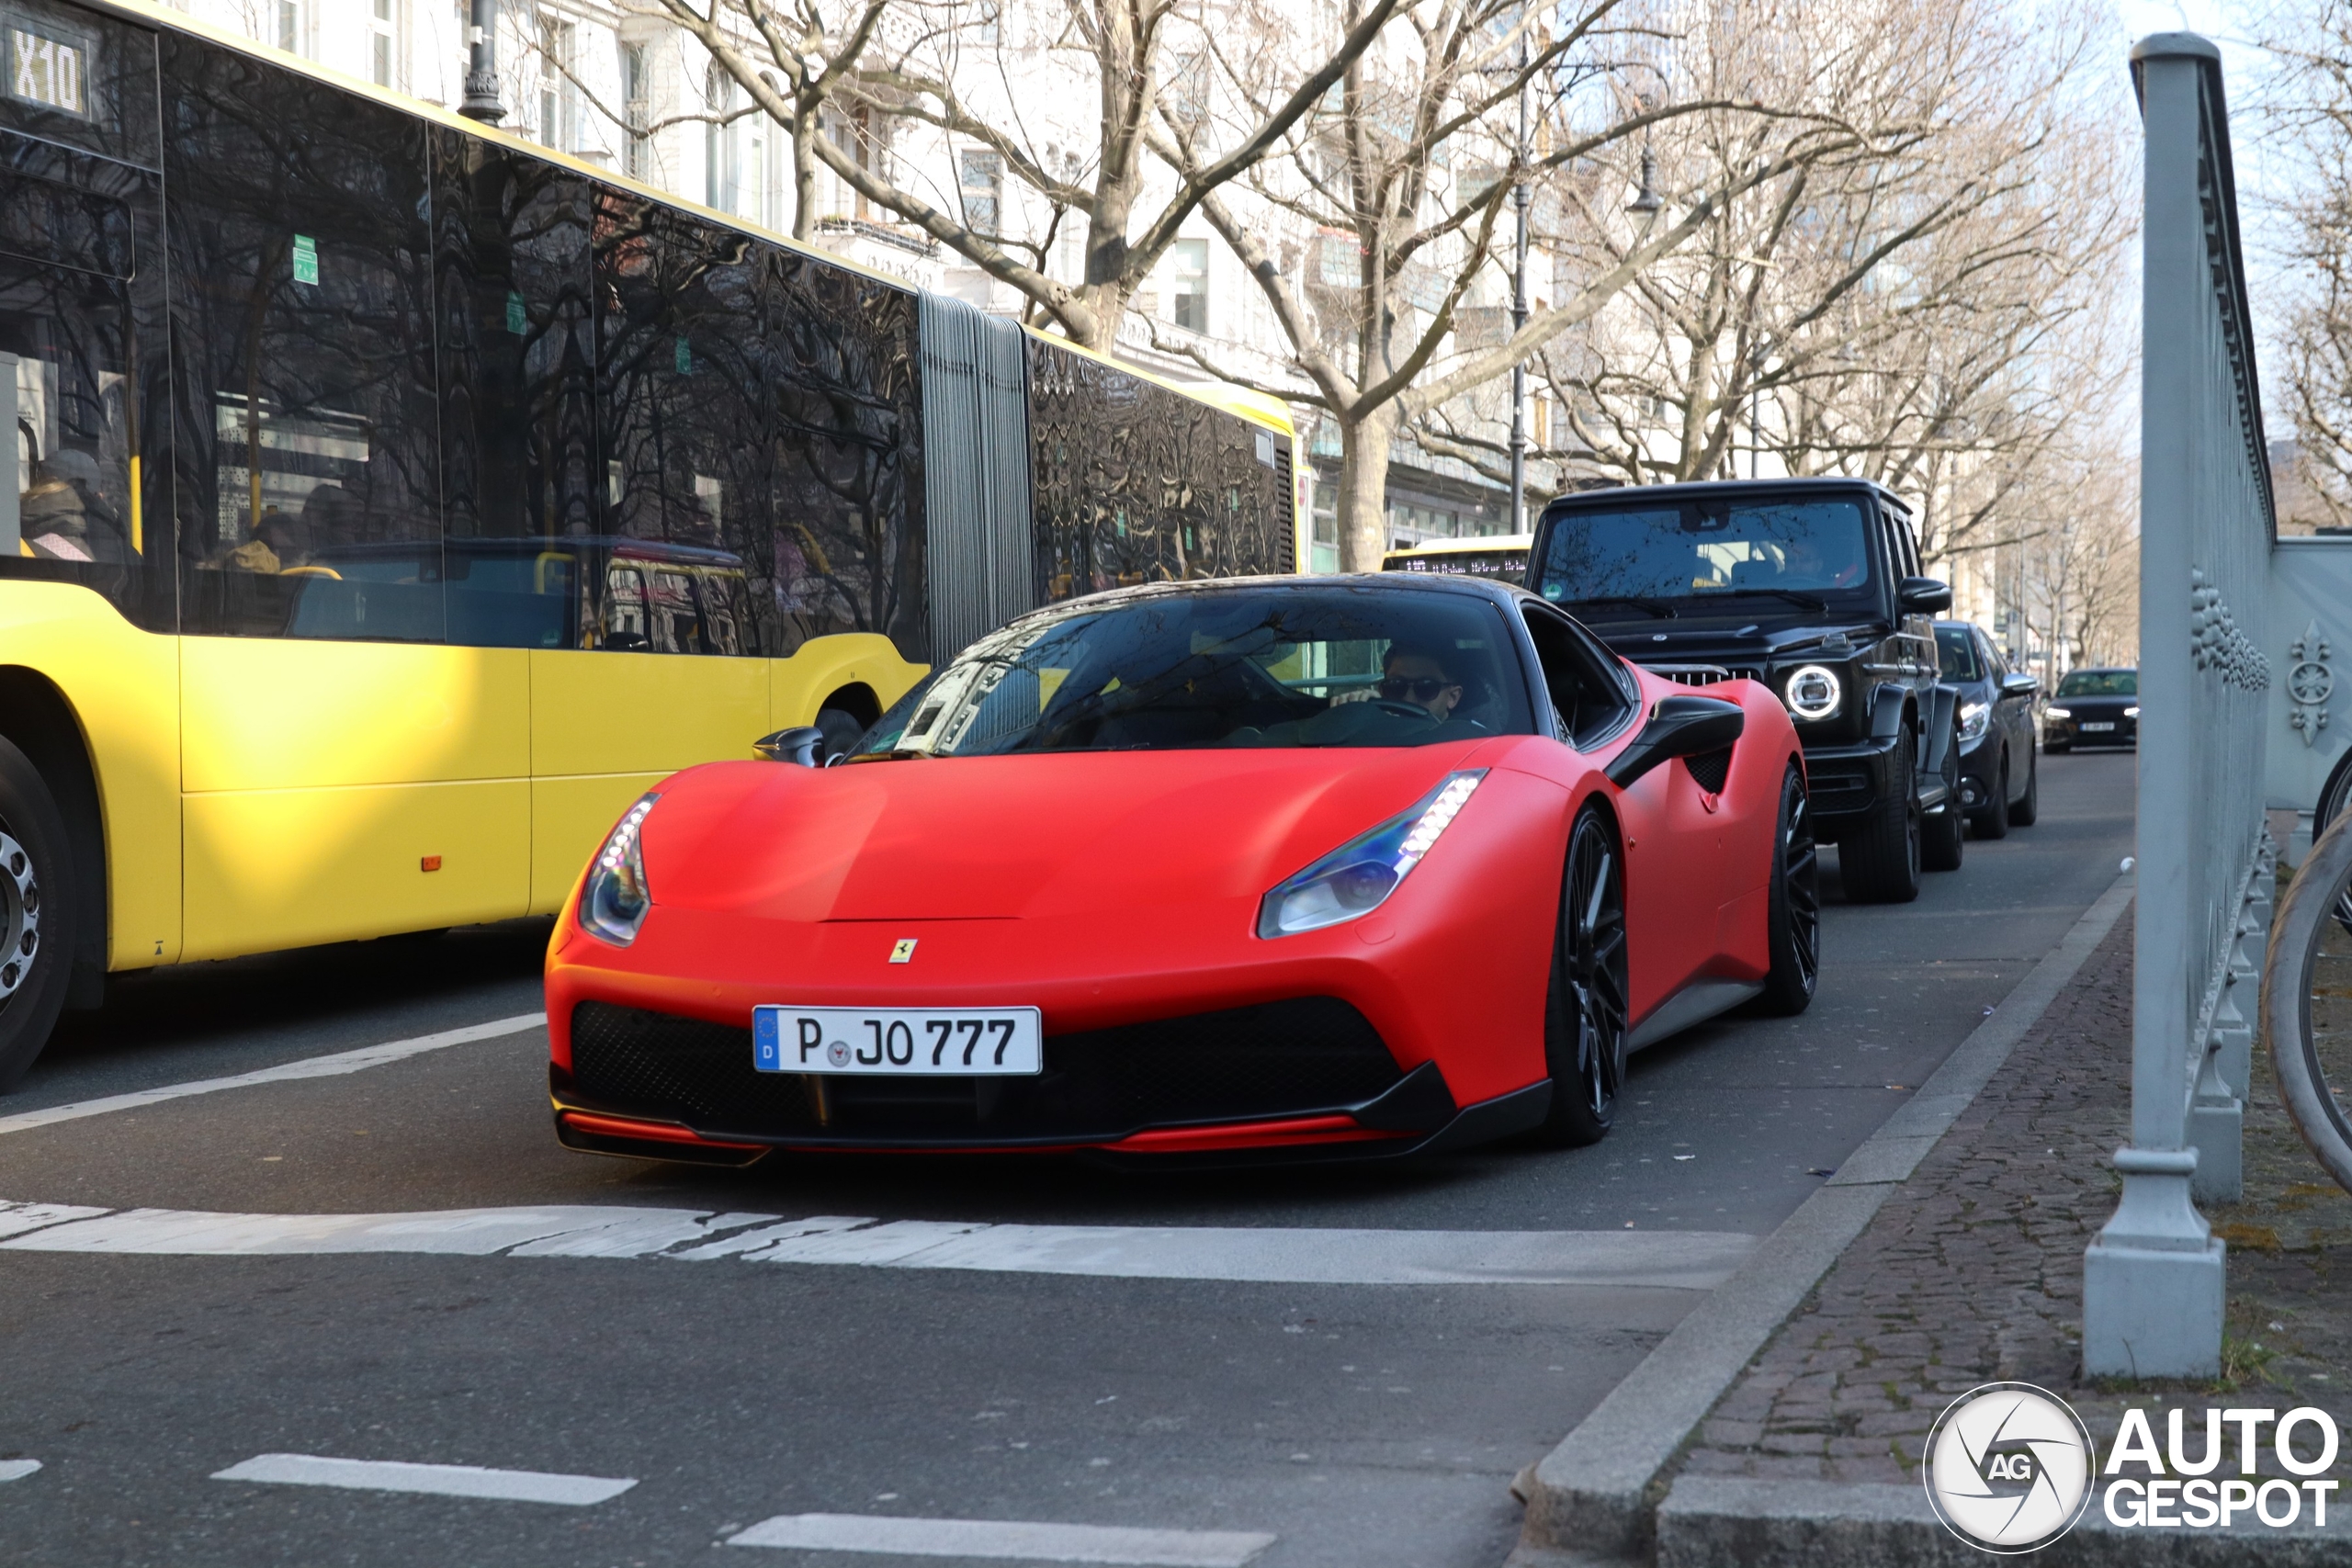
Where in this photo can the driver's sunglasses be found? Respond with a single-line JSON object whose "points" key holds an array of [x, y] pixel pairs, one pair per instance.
{"points": [[1421, 688]]}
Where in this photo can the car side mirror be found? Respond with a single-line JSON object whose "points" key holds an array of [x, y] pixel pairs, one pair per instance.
{"points": [[803, 743], [1679, 727], [1924, 596], [2018, 685]]}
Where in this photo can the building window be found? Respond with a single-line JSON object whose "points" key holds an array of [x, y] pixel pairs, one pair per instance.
{"points": [[983, 182], [1339, 260], [1189, 260], [637, 93], [558, 99], [289, 26], [723, 153], [379, 44]]}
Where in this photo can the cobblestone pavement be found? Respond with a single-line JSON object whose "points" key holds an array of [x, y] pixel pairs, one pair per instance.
{"points": [[1972, 1273]]}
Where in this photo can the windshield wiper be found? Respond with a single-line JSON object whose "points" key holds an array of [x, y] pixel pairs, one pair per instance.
{"points": [[1791, 594], [1663, 611]]}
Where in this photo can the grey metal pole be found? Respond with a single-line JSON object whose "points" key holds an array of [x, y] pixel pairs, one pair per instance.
{"points": [[482, 101], [1518, 196]]}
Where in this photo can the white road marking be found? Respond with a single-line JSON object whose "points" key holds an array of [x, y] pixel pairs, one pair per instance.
{"points": [[17, 1469], [1689, 1261], [1006, 1539], [440, 1480], [329, 1066]]}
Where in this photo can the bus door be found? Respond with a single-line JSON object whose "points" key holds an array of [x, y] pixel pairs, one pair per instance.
{"points": [[347, 770], [84, 389]]}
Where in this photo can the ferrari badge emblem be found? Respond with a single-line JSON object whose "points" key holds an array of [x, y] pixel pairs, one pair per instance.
{"points": [[903, 949]]}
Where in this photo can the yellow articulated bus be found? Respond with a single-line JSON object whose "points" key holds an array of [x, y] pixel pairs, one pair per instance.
{"points": [[395, 500]]}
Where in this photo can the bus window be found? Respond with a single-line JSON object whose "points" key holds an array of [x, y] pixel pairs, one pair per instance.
{"points": [[65, 377], [680, 371], [301, 271], [1137, 483], [517, 347], [624, 617], [82, 372]]}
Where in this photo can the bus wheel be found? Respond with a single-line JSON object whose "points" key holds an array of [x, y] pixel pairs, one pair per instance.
{"points": [[841, 730], [36, 915]]}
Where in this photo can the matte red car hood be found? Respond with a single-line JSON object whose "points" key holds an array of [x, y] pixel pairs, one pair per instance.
{"points": [[1006, 836]]}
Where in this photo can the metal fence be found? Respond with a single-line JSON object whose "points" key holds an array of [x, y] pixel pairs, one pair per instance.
{"points": [[2153, 1281]]}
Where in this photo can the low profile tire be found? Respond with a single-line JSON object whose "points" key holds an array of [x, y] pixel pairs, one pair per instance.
{"points": [[1878, 857], [842, 728], [1584, 1011], [1991, 821], [37, 915], [1793, 921], [2027, 810]]}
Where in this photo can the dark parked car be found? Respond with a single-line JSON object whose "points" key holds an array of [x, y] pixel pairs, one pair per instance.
{"points": [[2093, 708], [1999, 788], [1813, 587]]}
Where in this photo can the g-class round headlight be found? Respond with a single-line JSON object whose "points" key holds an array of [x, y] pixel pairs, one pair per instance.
{"points": [[1814, 691]]}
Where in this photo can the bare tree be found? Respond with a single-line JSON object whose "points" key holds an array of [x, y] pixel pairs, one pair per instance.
{"points": [[1885, 311], [1008, 83], [2307, 115], [1388, 202]]}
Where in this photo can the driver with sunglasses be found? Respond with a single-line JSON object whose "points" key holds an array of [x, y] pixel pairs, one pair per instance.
{"points": [[1419, 676], [1414, 675]]}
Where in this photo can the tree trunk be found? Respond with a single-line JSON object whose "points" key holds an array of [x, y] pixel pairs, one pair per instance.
{"points": [[804, 177], [1363, 488]]}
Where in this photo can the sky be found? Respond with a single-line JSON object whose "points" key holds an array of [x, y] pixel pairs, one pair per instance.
{"points": [[2261, 173]]}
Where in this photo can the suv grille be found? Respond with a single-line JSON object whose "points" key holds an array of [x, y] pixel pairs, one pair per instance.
{"points": [[1704, 674], [1303, 1055]]}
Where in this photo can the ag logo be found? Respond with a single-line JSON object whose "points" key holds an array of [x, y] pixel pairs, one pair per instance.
{"points": [[2008, 1468]]}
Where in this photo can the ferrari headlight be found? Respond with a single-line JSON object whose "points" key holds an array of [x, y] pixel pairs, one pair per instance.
{"points": [[614, 903], [1974, 720], [2057, 713], [1814, 691], [1357, 877], [2131, 712]]}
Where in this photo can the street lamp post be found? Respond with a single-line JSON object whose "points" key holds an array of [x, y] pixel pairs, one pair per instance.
{"points": [[481, 100], [1518, 196]]}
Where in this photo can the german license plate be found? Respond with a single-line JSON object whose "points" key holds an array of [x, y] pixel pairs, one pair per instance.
{"points": [[898, 1042], [2108, 724]]}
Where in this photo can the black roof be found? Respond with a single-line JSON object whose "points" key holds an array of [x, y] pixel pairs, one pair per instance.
{"points": [[1386, 582], [1830, 484]]}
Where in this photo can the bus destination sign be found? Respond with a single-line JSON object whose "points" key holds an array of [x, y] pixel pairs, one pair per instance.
{"points": [[52, 71]]}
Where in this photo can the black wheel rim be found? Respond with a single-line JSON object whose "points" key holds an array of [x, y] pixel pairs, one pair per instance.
{"points": [[1799, 879], [1595, 917]]}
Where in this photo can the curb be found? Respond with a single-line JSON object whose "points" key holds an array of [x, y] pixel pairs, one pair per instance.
{"points": [[1598, 1494], [1706, 1521]]}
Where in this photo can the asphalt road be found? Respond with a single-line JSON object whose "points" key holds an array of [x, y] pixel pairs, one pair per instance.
{"points": [[1358, 1424]]}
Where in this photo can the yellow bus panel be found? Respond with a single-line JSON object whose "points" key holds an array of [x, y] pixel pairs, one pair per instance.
{"points": [[601, 712], [122, 686], [266, 713], [269, 869], [798, 686]]}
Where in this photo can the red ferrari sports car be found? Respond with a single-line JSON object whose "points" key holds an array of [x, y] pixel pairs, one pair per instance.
{"points": [[1331, 866]]}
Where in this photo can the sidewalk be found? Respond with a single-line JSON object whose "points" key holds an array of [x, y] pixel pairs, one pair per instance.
{"points": [[1971, 1272]]}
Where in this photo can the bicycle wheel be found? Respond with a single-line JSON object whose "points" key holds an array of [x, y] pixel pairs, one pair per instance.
{"points": [[2307, 1000]]}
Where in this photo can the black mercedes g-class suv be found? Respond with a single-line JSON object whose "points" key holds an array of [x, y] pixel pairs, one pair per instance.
{"points": [[1813, 587]]}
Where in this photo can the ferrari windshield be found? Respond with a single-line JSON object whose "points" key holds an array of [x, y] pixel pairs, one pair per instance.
{"points": [[1338, 665], [1631, 561]]}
